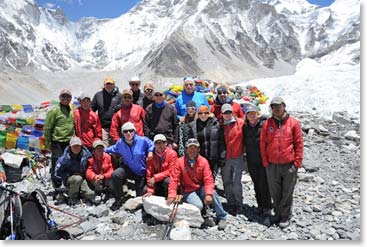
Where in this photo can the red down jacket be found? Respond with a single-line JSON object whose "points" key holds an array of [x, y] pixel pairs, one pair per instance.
{"points": [[160, 169], [191, 178], [99, 167], [281, 142], [87, 126]]}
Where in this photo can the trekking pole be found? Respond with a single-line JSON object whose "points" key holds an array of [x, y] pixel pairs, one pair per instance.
{"points": [[172, 217]]}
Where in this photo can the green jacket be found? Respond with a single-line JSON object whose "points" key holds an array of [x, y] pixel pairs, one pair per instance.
{"points": [[58, 126]]}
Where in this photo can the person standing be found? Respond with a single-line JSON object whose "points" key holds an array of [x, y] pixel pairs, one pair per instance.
{"points": [[160, 167], [135, 150], [184, 127], [129, 112], [189, 94], [161, 118], [138, 96], [206, 130], [223, 98], [86, 122], [107, 102], [148, 95], [193, 174], [232, 130], [281, 145], [58, 130], [251, 136]]}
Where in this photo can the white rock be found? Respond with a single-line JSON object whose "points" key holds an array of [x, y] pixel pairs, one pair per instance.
{"points": [[157, 207], [352, 135], [133, 203], [181, 231]]}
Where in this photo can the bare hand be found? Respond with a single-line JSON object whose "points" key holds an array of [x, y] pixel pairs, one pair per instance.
{"points": [[170, 200], [147, 194], [151, 181], [150, 156], [208, 200]]}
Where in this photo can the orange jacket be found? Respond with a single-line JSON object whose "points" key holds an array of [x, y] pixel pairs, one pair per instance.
{"points": [[134, 114], [191, 178], [104, 167], [233, 136], [87, 126], [160, 169], [281, 142]]}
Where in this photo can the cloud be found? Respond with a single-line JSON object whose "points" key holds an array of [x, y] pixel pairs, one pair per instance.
{"points": [[49, 5], [72, 2]]}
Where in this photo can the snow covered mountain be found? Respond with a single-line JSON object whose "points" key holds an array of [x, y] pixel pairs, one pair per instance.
{"points": [[219, 39]]}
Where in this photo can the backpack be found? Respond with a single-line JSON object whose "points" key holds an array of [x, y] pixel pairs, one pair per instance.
{"points": [[31, 219]]}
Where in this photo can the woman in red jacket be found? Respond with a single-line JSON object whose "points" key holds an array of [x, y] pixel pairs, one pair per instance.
{"points": [[99, 170], [232, 130]]}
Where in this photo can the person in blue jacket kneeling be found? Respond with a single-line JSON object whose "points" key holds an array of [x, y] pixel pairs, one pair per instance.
{"points": [[135, 151]]}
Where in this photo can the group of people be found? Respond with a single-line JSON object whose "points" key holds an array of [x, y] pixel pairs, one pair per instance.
{"points": [[168, 149]]}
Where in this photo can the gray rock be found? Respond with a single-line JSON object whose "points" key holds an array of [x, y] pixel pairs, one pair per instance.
{"points": [[99, 211], [352, 135], [89, 225], [157, 207], [317, 208], [118, 220], [75, 231]]}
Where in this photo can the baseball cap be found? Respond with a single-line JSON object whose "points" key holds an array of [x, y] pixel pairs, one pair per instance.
{"points": [[251, 108], [203, 108], [159, 137], [192, 141], [109, 80], [191, 104], [128, 126], [277, 101], [226, 107], [75, 141], [65, 91], [222, 89], [83, 96], [127, 91], [97, 143]]}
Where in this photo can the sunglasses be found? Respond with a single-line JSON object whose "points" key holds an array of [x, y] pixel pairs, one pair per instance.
{"points": [[134, 84], [191, 108], [127, 97], [276, 106], [189, 84], [227, 112], [158, 94], [203, 113], [222, 93], [148, 90], [127, 131], [66, 96]]}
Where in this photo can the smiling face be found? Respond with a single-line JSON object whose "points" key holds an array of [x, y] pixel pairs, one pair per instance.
{"points": [[192, 151], [127, 99], [160, 146], [134, 85], [85, 103], [128, 134], [227, 115], [203, 115], [158, 97], [189, 87], [278, 110], [65, 99]]}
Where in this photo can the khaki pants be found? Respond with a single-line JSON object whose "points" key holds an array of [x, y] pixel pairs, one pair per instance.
{"points": [[77, 184]]}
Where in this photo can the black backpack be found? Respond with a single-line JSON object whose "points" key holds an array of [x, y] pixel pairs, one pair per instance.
{"points": [[31, 220]]}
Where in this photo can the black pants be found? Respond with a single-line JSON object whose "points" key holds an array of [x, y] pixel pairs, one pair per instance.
{"points": [[57, 150], [161, 188], [119, 178], [282, 179], [258, 176]]}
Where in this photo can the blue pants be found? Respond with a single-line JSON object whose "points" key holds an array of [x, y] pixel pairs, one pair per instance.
{"points": [[196, 198]]}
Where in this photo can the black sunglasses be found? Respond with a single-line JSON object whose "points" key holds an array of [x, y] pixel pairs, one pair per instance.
{"points": [[127, 131], [225, 92], [66, 96], [127, 97], [134, 84], [158, 94]]}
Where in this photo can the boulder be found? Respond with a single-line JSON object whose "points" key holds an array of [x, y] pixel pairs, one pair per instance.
{"points": [[157, 207], [133, 203], [181, 231]]}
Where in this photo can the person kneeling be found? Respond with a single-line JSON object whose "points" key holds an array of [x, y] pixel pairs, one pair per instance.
{"points": [[71, 168], [99, 170], [193, 173]]}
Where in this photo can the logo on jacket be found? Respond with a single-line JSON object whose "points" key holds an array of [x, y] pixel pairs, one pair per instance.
{"points": [[271, 129]]}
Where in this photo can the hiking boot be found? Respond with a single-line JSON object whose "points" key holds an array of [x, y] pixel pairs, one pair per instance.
{"points": [[72, 201], [222, 225], [275, 219], [284, 223], [266, 212], [117, 204], [209, 221]]}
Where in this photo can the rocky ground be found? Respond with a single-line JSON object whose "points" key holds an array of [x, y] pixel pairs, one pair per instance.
{"points": [[326, 197]]}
